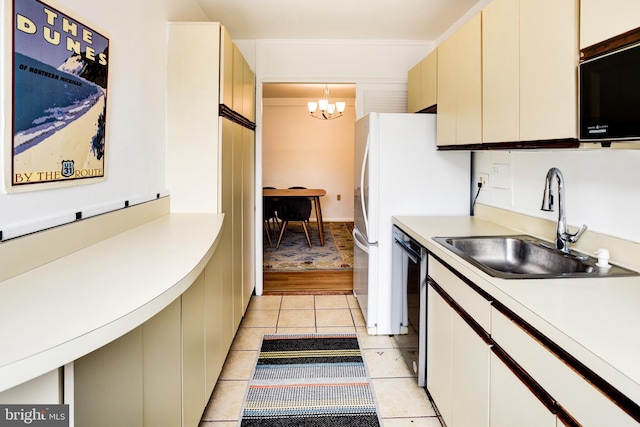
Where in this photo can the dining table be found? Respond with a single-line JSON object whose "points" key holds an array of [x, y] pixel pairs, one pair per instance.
{"points": [[312, 193]]}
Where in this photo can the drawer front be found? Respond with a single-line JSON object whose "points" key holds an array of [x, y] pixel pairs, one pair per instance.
{"points": [[578, 397], [473, 303]]}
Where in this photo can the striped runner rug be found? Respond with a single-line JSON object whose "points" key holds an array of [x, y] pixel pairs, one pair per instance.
{"points": [[310, 380]]}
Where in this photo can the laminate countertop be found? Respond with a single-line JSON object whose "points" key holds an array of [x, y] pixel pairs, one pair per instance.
{"points": [[597, 320], [64, 309]]}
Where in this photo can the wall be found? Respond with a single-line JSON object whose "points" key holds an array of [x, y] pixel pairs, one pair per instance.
{"points": [[298, 150], [601, 186], [136, 116]]}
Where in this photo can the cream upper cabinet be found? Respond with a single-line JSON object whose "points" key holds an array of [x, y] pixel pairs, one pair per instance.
{"points": [[459, 86], [422, 84], [501, 71], [226, 68], [530, 57], [548, 69], [602, 19]]}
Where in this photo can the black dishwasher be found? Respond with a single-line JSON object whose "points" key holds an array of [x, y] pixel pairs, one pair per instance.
{"points": [[409, 273]]}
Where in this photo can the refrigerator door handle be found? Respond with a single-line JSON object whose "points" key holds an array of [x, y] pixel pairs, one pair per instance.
{"points": [[358, 238], [365, 159]]}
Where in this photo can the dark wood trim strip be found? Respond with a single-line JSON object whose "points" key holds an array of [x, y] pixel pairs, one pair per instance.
{"points": [[536, 389], [613, 394], [431, 109], [467, 147], [609, 45], [479, 330], [236, 117], [484, 294], [516, 145], [535, 144]]}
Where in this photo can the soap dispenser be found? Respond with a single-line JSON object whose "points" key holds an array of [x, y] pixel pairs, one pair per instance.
{"points": [[603, 258]]}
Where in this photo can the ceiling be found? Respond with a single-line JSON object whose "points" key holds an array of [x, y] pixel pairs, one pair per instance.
{"points": [[423, 20], [336, 19]]}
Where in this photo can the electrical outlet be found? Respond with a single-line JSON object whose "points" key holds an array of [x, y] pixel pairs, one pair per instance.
{"points": [[483, 179]]}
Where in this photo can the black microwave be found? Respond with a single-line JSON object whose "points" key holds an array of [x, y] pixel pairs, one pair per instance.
{"points": [[609, 96]]}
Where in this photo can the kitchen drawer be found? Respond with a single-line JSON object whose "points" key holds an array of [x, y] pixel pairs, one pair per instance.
{"points": [[472, 302], [578, 397]]}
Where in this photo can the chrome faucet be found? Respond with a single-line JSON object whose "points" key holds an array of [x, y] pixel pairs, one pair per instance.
{"points": [[563, 237]]}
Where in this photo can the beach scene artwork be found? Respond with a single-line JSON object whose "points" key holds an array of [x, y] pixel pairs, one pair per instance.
{"points": [[60, 70]]}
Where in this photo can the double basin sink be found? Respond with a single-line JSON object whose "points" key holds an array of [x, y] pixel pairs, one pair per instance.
{"points": [[526, 257]]}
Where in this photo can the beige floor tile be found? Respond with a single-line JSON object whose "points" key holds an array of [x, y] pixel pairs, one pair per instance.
{"points": [[265, 302], [260, 318], [299, 302], [331, 301], [358, 318], [336, 330], [340, 317], [373, 341], [411, 422], [309, 330], [250, 338], [352, 301], [296, 318], [386, 363], [411, 402], [218, 424], [226, 401], [239, 365]]}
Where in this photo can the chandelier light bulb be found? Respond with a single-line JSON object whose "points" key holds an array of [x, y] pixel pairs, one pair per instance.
{"points": [[327, 110]]}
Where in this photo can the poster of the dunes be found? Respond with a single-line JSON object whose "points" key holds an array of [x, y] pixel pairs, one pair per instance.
{"points": [[59, 111]]}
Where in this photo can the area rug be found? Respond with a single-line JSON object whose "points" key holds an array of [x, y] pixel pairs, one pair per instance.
{"points": [[294, 253], [311, 380]]}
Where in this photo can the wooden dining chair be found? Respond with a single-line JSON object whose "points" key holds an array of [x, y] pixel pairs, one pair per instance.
{"points": [[294, 209], [269, 215]]}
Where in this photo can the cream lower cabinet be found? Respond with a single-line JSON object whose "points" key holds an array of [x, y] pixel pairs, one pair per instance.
{"points": [[457, 355], [488, 368], [162, 373], [512, 403]]}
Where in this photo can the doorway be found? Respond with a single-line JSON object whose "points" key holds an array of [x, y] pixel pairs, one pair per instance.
{"points": [[299, 150]]}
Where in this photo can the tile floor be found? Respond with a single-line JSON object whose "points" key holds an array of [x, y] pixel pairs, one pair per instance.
{"points": [[400, 401]]}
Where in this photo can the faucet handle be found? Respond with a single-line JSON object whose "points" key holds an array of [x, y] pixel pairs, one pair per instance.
{"points": [[575, 237]]}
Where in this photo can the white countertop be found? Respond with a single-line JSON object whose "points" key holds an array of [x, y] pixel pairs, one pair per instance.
{"points": [[60, 311], [597, 320]]}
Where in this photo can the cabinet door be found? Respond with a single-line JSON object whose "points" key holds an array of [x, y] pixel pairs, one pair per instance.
{"points": [[439, 342], [194, 396], [501, 71], [162, 358], [512, 403], [470, 377], [414, 81], [429, 80], [226, 68], [548, 63], [447, 92], [602, 19], [469, 82]]}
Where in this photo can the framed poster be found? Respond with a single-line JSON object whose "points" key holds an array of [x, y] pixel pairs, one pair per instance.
{"points": [[59, 77]]}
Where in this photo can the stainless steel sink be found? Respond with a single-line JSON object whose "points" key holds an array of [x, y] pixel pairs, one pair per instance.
{"points": [[526, 257]]}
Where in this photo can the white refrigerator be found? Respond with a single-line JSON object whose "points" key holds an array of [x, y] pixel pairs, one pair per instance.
{"points": [[398, 172]]}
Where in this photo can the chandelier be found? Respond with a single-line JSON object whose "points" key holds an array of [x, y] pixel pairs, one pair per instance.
{"points": [[323, 109]]}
